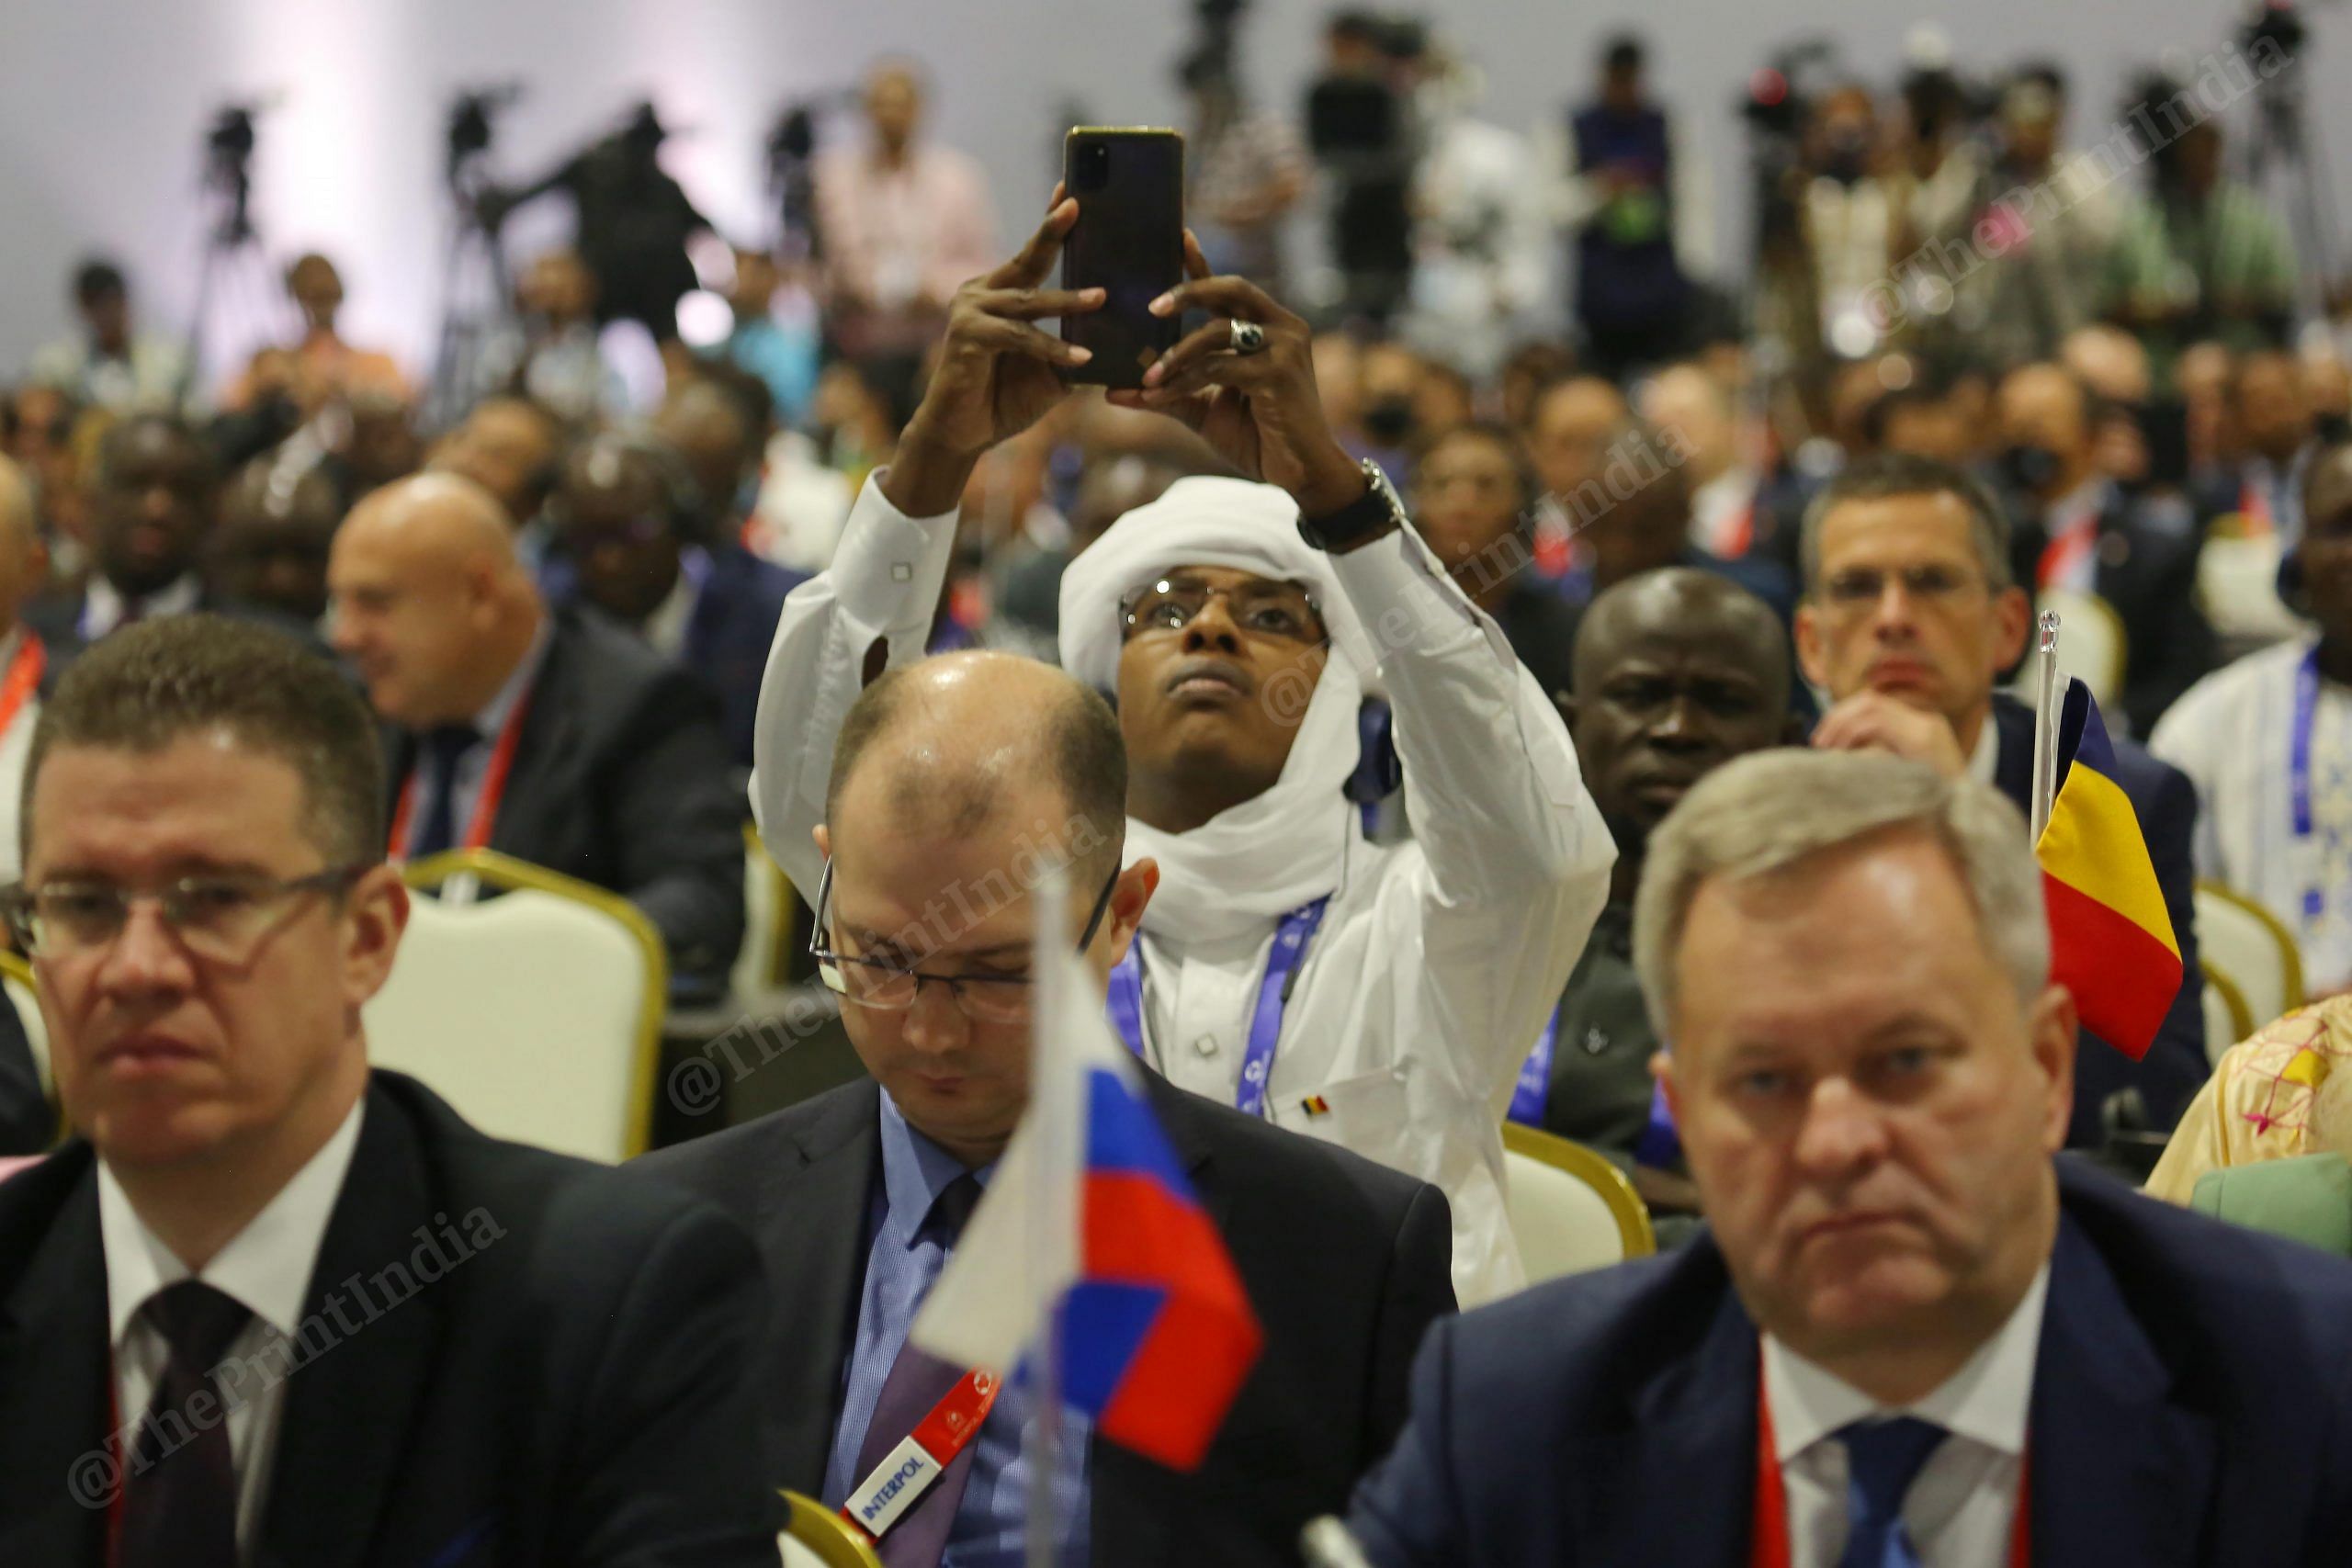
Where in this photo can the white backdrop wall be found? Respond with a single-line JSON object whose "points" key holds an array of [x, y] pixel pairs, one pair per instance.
{"points": [[102, 102]]}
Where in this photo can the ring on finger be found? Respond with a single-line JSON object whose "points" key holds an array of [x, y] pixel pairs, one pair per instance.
{"points": [[1248, 337]]}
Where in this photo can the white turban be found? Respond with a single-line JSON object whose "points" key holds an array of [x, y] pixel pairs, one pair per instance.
{"points": [[1286, 846]]}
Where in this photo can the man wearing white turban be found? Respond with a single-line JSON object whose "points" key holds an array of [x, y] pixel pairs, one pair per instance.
{"points": [[1381, 997]]}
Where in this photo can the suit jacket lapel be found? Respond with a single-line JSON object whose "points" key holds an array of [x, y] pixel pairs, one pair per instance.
{"points": [[540, 769], [2118, 1472], [371, 1330], [812, 1219], [55, 1366]]}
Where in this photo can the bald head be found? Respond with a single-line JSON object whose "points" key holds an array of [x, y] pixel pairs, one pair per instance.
{"points": [[1689, 404], [953, 746], [1677, 672], [430, 602]]}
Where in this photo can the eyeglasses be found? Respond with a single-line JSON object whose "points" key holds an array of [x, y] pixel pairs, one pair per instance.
{"points": [[220, 918], [1931, 586], [1284, 611], [892, 988]]}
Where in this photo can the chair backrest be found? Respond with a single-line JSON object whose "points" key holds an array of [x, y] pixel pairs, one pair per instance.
{"points": [[820, 1538], [2091, 644], [2237, 584], [1570, 1210], [2248, 943], [536, 1014], [16, 979], [2228, 1019], [761, 963]]}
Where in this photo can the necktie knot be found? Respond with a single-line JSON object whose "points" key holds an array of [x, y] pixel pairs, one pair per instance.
{"points": [[952, 1210], [1882, 1459], [197, 1321]]}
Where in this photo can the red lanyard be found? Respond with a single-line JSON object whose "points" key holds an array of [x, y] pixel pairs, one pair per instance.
{"points": [[909, 1470], [23, 678], [2066, 550], [493, 789], [2255, 508], [1770, 1548]]}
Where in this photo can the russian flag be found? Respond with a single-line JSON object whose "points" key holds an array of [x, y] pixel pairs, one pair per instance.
{"points": [[1090, 1215], [2111, 942]]}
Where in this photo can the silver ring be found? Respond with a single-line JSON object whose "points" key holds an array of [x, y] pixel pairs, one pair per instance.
{"points": [[1248, 337]]}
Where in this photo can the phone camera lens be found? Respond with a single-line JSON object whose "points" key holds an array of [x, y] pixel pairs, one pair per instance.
{"points": [[1092, 165]]}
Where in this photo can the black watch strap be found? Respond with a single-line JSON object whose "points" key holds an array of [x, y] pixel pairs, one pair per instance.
{"points": [[1375, 512]]}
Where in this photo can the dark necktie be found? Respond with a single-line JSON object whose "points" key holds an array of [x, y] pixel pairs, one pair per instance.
{"points": [[443, 749], [180, 1489], [1882, 1458], [916, 1383]]}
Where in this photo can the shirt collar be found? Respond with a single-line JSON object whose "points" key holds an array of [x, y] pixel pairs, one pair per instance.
{"points": [[266, 1265], [665, 628], [915, 1171], [1985, 761], [2084, 502], [493, 718], [105, 605], [1988, 1401]]}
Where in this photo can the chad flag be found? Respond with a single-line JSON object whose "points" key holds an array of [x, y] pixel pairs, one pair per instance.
{"points": [[2111, 942]]}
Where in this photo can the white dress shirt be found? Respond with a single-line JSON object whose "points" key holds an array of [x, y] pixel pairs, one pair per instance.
{"points": [[267, 1267], [1437, 960], [1963, 1506], [104, 607], [2232, 734]]}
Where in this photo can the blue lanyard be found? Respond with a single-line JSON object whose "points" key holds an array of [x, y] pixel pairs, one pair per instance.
{"points": [[1535, 1076], [1291, 937], [2299, 765]]}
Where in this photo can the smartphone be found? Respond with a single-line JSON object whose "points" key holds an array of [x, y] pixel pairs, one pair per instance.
{"points": [[1128, 242]]}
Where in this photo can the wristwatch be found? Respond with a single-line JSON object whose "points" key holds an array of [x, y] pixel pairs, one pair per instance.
{"points": [[1371, 515]]}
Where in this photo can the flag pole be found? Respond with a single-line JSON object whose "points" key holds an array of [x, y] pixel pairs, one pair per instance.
{"points": [[2045, 725], [1052, 1085]]}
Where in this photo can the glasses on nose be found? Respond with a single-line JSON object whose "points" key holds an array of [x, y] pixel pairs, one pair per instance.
{"points": [[1283, 611], [886, 987], [1932, 587], [220, 918]]}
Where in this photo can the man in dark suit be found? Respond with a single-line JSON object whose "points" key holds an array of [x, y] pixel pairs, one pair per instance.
{"points": [[951, 775], [1910, 1335], [555, 738], [269, 1307], [628, 519], [2078, 529], [152, 509], [1909, 618]]}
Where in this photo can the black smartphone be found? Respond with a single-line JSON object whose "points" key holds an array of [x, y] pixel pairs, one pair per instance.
{"points": [[1128, 242]]}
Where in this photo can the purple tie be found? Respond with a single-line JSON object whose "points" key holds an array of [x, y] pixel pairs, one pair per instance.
{"points": [[180, 1497], [916, 1383]]}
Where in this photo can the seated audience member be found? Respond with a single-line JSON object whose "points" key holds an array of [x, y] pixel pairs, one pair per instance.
{"points": [[2077, 530], [552, 738], [627, 517], [1909, 1334], [1378, 996], [554, 359], [1029, 601], [2267, 742], [112, 365], [1677, 672], [718, 423], [2269, 411], [1920, 420], [2260, 1104], [957, 773], [377, 446], [512, 447], [1568, 429], [268, 1305], [1634, 516], [1910, 616], [1473, 502], [278, 521], [781, 351], [151, 505], [27, 668], [320, 366], [1732, 512]]}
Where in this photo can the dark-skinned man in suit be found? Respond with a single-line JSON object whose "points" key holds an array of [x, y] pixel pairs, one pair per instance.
{"points": [[270, 1307], [549, 737], [949, 775]]}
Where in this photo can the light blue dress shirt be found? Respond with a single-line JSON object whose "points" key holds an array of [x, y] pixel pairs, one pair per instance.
{"points": [[992, 1516]]}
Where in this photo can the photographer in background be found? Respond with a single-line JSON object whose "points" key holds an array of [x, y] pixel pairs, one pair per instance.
{"points": [[1359, 124]]}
